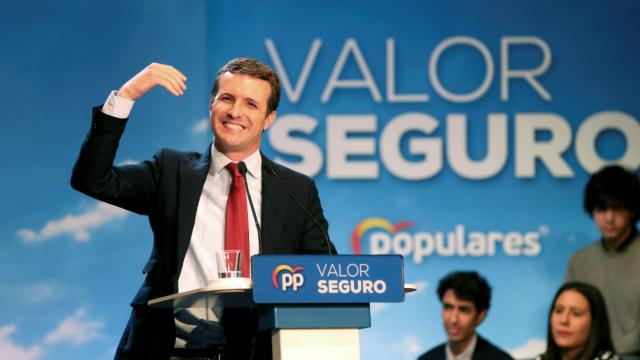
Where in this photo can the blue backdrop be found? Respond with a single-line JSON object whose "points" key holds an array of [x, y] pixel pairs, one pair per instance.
{"points": [[457, 134]]}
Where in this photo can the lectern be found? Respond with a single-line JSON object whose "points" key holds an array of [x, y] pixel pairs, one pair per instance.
{"points": [[314, 305]]}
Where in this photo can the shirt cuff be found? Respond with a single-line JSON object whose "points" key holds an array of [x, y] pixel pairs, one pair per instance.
{"points": [[117, 106]]}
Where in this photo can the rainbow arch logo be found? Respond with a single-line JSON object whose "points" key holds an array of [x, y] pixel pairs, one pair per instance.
{"points": [[374, 223], [280, 268]]}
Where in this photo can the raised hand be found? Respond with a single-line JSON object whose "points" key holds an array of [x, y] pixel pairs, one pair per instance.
{"points": [[154, 75]]}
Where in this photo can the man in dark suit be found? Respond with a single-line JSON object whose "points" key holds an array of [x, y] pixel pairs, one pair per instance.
{"points": [[465, 298], [185, 195]]}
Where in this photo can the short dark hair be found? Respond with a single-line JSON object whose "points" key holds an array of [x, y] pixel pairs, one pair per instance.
{"points": [[254, 68], [599, 339], [469, 286], [613, 186]]}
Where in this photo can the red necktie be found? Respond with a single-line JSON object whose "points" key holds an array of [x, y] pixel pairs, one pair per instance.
{"points": [[237, 224]]}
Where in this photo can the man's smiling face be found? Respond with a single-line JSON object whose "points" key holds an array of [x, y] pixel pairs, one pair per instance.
{"points": [[238, 114]]}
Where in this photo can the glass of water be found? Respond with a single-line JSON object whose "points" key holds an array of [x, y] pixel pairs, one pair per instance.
{"points": [[229, 263]]}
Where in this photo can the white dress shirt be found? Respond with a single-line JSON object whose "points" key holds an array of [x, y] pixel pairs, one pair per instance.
{"points": [[207, 237], [466, 354]]}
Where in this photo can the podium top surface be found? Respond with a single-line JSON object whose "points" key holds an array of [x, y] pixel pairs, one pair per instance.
{"points": [[409, 288], [225, 286], [218, 286]]}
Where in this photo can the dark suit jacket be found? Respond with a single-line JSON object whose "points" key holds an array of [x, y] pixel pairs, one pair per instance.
{"points": [[484, 351], [167, 190]]}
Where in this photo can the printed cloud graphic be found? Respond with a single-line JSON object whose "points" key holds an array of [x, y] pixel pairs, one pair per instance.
{"points": [[201, 126], [408, 346], [421, 286], [76, 329], [41, 292], [76, 225], [128, 162], [530, 350], [10, 350], [377, 308]]}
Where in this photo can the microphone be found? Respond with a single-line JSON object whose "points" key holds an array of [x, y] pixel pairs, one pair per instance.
{"points": [[272, 170], [242, 167]]}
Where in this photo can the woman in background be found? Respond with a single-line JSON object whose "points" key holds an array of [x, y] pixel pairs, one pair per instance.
{"points": [[578, 325]]}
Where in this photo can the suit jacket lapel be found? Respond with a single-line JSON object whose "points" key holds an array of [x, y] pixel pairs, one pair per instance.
{"points": [[478, 352], [274, 209], [191, 178]]}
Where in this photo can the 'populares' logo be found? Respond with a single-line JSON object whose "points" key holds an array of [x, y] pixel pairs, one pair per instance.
{"points": [[386, 238], [372, 223], [290, 277]]}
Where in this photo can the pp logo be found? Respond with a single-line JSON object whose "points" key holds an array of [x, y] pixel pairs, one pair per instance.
{"points": [[291, 278]]}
